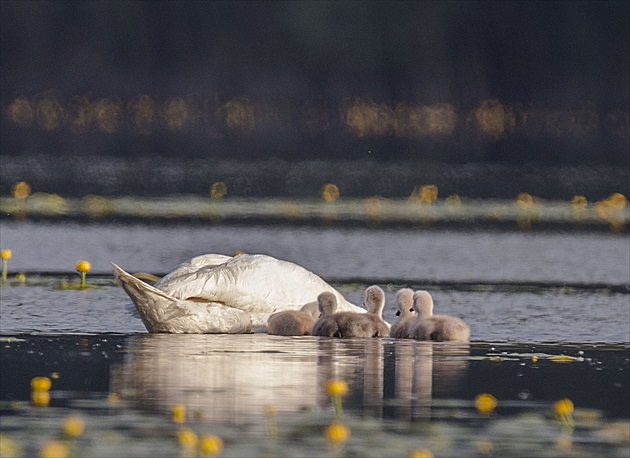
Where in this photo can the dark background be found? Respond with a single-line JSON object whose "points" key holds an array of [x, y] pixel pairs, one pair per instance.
{"points": [[512, 82]]}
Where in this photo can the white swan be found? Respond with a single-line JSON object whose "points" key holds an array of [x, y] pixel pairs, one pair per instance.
{"points": [[438, 328], [406, 315], [374, 302], [214, 293], [294, 322]]}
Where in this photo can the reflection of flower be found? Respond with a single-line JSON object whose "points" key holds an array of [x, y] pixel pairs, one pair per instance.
{"points": [[485, 403], [40, 398], [336, 389], [330, 192], [54, 449], [73, 427], [187, 438], [210, 445], [178, 413], [421, 453], [337, 433]]}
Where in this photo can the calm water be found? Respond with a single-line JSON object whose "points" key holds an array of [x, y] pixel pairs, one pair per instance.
{"points": [[510, 287]]}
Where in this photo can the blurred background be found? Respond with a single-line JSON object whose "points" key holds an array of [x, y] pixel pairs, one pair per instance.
{"points": [[481, 98]]}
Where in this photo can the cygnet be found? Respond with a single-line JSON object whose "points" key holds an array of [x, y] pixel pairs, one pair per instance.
{"points": [[294, 322], [438, 328], [406, 315]]}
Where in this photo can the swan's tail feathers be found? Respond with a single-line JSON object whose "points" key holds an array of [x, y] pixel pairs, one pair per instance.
{"points": [[153, 305]]}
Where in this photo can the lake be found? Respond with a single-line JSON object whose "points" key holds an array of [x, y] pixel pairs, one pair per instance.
{"points": [[549, 314]]}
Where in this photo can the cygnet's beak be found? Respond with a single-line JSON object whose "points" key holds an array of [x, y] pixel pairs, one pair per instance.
{"points": [[397, 312]]}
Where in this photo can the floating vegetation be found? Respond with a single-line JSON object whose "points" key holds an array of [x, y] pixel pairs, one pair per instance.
{"points": [[525, 213]]}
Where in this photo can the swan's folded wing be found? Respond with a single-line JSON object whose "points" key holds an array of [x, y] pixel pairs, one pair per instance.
{"points": [[256, 283]]}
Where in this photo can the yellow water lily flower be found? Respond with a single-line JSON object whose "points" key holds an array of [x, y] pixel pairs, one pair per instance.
{"points": [[40, 384], [210, 445], [5, 254], [83, 267], [337, 387], [485, 403]]}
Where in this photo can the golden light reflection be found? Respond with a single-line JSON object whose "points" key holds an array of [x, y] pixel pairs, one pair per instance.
{"points": [[424, 195], [108, 113], [80, 114], [142, 111], [50, 111], [239, 114], [493, 119], [21, 190], [176, 113], [330, 192], [20, 112], [218, 190], [611, 210]]}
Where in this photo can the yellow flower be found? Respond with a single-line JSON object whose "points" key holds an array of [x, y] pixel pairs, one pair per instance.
{"points": [[73, 426], [54, 449], [40, 398], [534, 358], [21, 190], [421, 453], [83, 266], [9, 448], [562, 358], [187, 438], [179, 413], [40, 384], [337, 433], [330, 192], [337, 387], [5, 254], [563, 407], [485, 403], [210, 445], [218, 190]]}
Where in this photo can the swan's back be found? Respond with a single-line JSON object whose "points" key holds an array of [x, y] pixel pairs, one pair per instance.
{"points": [[294, 322], [442, 328], [255, 283], [355, 325]]}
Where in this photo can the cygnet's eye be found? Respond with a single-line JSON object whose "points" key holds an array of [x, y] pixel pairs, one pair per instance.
{"points": [[411, 309]]}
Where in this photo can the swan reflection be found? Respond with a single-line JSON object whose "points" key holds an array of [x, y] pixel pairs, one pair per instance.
{"points": [[233, 378]]}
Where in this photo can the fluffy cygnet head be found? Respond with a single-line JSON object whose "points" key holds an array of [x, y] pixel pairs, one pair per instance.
{"points": [[327, 303], [374, 300], [311, 308], [423, 304], [404, 299]]}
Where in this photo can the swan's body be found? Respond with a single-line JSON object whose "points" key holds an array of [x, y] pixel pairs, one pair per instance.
{"points": [[223, 294], [374, 302], [294, 322], [438, 328], [340, 324], [406, 314]]}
